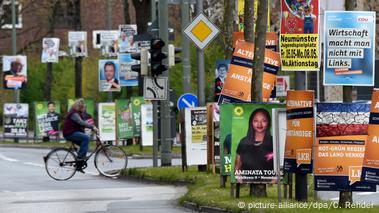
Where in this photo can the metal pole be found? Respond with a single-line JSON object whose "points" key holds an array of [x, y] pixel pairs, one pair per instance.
{"points": [[14, 45], [165, 104], [153, 10], [200, 63], [186, 48], [301, 181], [109, 24], [155, 134]]}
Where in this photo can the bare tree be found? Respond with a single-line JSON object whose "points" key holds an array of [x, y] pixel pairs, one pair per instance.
{"points": [[230, 25], [258, 190]]}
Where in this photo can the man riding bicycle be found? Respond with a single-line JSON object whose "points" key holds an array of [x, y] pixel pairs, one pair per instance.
{"points": [[73, 130]]}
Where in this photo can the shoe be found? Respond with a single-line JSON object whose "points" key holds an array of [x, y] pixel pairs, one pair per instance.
{"points": [[80, 165]]}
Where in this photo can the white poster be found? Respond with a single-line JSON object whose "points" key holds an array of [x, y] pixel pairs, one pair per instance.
{"points": [[50, 50], [109, 43], [279, 131], [77, 42], [126, 41], [15, 120], [147, 124], [14, 72], [107, 121], [196, 135]]}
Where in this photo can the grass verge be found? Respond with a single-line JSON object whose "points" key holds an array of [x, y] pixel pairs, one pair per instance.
{"points": [[204, 190]]}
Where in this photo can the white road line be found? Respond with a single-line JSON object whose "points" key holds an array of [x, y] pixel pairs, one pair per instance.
{"points": [[8, 159], [34, 164], [366, 193]]}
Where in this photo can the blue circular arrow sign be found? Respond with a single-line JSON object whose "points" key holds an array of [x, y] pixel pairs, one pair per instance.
{"points": [[187, 100]]}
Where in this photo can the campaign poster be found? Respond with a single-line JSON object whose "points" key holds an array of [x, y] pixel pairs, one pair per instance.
{"points": [[341, 131], [147, 125], [196, 135], [349, 48], [50, 50], [237, 84], [15, 121], [222, 67], [109, 43], [124, 119], [226, 111], [241, 12], [300, 131], [77, 43], [107, 121], [252, 151], [370, 169], [96, 38], [272, 41], [14, 72], [299, 40], [47, 118], [136, 114], [282, 85], [109, 80], [126, 41], [128, 78]]}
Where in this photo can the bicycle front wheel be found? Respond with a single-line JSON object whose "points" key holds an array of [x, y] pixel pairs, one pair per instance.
{"points": [[60, 164], [110, 160]]}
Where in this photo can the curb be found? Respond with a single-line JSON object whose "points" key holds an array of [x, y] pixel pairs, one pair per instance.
{"points": [[186, 204]]}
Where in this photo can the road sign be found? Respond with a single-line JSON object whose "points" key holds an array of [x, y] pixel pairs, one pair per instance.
{"points": [[155, 88], [187, 100], [201, 31]]}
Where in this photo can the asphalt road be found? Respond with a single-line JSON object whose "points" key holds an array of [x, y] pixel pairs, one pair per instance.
{"points": [[26, 187]]}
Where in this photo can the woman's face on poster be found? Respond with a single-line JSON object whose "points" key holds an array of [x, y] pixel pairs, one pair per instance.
{"points": [[260, 122]]}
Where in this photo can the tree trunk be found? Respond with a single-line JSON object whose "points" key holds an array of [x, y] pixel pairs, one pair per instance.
{"points": [[143, 14], [249, 20], [347, 197], [258, 190], [230, 25], [259, 51], [126, 12]]}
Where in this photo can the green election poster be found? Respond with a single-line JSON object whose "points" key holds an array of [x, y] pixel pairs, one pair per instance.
{"points": [[124, 119], [252, 150], [47, 118], [136, 115], [226, 137]]}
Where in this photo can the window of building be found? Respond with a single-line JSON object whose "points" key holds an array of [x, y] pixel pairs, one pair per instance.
{"points": [[6, 14]]}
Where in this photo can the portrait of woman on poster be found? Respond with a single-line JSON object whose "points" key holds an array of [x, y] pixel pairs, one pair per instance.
{"points": [[255, 150]]}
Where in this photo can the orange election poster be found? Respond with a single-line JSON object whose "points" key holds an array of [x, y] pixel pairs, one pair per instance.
{"points": [[300, 131], [237, 86], [272, 40], [370, 170], [340, 147]]}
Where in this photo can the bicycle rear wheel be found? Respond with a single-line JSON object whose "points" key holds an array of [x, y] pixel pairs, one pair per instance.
{"points": [[60, 164], [110, 160]]}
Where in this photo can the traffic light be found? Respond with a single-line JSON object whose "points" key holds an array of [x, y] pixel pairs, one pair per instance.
{"points": [[156, 57], [172, 59], [143, 57]]}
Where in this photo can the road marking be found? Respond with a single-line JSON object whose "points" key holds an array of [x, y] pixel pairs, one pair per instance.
{"points": [[367, 193], [34, 164], [8, 159]]}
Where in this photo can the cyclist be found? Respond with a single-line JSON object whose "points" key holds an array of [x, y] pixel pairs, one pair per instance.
{"points": [[73, 130]]}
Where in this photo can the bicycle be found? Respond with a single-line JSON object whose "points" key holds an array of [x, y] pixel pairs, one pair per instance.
{"points": [[61, 163]]}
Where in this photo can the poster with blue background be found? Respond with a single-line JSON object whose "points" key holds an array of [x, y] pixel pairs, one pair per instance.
{"points": [[349, 44], [128, 78]]}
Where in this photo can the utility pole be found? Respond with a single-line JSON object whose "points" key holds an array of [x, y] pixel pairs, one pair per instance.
{"points": [[165, 104], [155, 103], [14, 51], [109, 24], [186, 48], [200, 63], [14, 45]]}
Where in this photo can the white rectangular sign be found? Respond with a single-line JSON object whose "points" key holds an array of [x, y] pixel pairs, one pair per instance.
{"points": [[107, 121]]}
